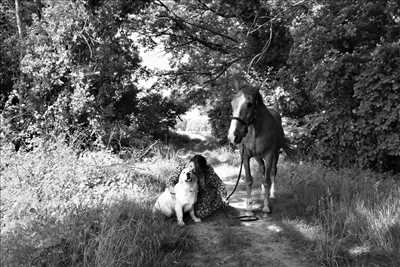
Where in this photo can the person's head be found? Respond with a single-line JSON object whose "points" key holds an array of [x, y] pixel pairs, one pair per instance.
{"points": [[200, 168], [199, 164]]}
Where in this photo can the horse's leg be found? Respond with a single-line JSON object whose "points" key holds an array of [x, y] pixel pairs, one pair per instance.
{"points": [[268, 159], [261, 164], [273, 173], [249, 180]]}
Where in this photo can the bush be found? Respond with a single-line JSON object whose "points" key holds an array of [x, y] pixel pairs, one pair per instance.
{"points": [[219, 117], [157, 115]]}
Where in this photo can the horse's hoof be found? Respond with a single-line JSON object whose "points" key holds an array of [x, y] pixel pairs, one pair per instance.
{"points": [[267, 210], [197, 220]]}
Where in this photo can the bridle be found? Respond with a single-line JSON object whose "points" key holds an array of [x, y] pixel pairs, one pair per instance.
{"points": [[243, 121]]}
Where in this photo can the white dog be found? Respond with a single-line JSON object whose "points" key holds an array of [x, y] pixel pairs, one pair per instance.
{"points": [[181, 198]]}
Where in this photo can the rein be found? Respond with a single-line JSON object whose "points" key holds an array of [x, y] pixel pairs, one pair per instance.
{"points": [[243, 218], [241, 156], [238, 178]]}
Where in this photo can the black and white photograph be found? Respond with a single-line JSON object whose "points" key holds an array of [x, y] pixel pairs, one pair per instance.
{"points": [[200, 133]]}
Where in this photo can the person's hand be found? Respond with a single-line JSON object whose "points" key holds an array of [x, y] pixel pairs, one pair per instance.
{"points": [[225, 201]]}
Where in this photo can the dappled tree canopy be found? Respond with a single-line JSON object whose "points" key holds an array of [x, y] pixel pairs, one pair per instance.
{"points": [[332, 65]]}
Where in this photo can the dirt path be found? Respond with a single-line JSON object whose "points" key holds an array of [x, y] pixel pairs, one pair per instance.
{"points": [[223, 240]]}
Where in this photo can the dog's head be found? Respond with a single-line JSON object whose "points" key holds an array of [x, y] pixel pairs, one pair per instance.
{"points": [[188, 175]]}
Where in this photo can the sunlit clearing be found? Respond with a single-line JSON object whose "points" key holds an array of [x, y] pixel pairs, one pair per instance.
{"points": [[194, 123]]}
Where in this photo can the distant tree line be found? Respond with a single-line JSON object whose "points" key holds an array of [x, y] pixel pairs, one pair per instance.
{"points": [[73, 66]]}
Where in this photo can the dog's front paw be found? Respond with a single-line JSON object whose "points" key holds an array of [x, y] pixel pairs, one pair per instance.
{"points": [[181, 223]]}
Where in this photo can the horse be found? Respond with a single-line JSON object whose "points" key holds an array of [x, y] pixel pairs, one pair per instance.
{"points": [[259, 133]]}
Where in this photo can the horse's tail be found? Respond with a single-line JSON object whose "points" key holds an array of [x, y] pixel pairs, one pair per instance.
{"points": [[289, 149]]}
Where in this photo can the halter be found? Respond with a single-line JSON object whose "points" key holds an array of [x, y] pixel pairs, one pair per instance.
{"points": [[243, 121]]}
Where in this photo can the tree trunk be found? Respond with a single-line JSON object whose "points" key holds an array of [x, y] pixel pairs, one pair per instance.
{"points": [[18, 17]]}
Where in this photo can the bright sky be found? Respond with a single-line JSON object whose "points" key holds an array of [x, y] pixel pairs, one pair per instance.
{"points": [[156, 59]]}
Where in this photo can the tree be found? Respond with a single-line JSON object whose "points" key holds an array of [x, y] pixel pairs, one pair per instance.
{"points": [[213, 41], [18, 18], [78, 74], [345, 62]]}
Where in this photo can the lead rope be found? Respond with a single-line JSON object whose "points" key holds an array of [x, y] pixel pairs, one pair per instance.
{"points": [[243, 218], [240, 172]]}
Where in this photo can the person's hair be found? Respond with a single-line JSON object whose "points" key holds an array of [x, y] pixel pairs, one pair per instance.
{"points": [[200, 163]]}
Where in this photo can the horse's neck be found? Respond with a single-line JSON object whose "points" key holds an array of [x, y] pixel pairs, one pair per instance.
{"points": [[261, 116]]}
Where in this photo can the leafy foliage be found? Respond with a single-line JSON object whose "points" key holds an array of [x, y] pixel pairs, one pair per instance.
{"points": [[333, 65], [343, 71], [220, 118], [78, 75]]}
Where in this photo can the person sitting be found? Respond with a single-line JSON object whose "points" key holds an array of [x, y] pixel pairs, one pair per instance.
{"points": [[212, 192]]}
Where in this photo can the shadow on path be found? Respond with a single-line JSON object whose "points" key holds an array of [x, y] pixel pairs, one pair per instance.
{"points": [[224, 240]]}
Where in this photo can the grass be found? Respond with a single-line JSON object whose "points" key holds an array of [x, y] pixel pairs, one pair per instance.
{"points": [[58, 209], [230, 239], [349, 217], [346, 217]]}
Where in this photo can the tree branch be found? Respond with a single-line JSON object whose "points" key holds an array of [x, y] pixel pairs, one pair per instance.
{"points": [[194, 39], [215, 11], [224, 68], [264, 50], [19, 19], [181, 22]]}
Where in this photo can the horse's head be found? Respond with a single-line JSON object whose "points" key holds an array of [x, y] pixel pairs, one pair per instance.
{"points": [[244, 105]]}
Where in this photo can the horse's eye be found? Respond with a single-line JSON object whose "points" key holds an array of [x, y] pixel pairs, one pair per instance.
{"points": [[249, 105]]}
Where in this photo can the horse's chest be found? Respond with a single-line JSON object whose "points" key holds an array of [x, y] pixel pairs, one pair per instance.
{"points": [[255, 144]]}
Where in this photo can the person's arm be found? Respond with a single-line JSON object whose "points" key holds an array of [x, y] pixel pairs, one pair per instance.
{"points": [[215, 181]]}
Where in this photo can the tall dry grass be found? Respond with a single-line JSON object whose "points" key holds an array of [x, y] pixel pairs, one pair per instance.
{"points": [[354, 215], [61, 209]]}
